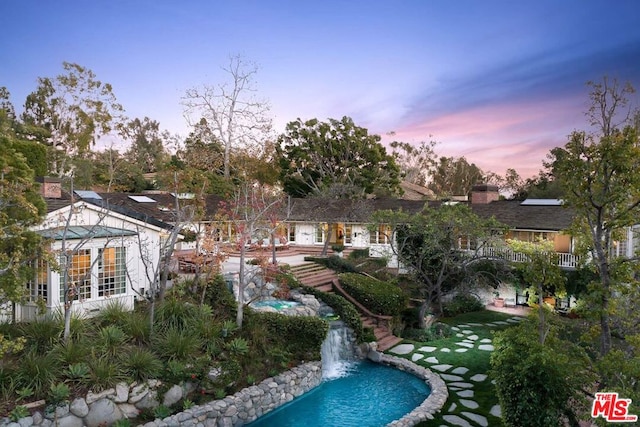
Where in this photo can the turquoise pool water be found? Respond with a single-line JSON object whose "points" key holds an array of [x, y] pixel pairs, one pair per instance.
{"points": [[369, 395], [276, 303]]}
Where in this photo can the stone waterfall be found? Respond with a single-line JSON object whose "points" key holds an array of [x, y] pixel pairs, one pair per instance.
{"points": [[338, 351]]}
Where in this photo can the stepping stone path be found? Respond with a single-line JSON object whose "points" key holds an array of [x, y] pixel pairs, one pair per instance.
{"points": [[461, 386]]}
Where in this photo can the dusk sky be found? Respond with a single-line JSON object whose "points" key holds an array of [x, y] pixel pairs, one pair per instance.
{"points": [[499, 82]]}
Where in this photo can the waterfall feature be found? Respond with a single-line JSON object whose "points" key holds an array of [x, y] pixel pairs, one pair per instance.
{"points": [[337, 351]]}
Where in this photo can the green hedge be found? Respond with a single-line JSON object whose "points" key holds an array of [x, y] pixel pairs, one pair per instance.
{"points": [[379, 297], [300, 334], [347, 312], [334, 263]]}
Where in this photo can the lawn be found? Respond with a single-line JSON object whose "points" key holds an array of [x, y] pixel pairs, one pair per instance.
{"points": [[472, 397]]}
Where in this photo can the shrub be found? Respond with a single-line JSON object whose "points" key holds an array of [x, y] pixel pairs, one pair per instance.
{"points": [[19, 412], [37, 372], [115, 313], [538, 384], [104, 372], [219, 296], [335, 263], [137, 327], [58, 393], [379, 297], [72, 352], [111, 339], [175, 343], [238, 347], [301, 335], [41, 334], [140, 364], [347, 312], [462, 303], [358, 254]]}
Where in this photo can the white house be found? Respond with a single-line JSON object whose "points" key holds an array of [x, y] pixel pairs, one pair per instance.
{"points": [[110, 254]]}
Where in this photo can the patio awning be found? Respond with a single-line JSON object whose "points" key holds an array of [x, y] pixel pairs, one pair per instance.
{"points": [[76, 232]]}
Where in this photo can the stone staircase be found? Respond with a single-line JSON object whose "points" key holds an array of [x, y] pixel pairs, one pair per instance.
{"points": [[326, 280]]}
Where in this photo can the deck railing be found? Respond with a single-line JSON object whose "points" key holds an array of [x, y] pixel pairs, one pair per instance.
{"points": [[565, 260]]}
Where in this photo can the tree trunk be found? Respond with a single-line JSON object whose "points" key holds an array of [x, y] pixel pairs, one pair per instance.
{"points": [[422, 313], [541, 320], [325, 248], [241, 278]]}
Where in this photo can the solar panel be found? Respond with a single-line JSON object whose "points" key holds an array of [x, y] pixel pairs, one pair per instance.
{"points": [[142, 199], [542, 202], [87, 194]]}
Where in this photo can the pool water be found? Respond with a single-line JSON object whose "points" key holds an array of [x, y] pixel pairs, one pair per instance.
{"points": [[276, 304], [369, 395]]}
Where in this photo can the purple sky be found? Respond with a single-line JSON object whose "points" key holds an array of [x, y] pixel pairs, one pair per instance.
{"points": [[500, 82]]}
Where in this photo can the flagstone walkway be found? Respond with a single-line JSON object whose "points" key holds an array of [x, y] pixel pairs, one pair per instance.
{"points": [[459, 383]]}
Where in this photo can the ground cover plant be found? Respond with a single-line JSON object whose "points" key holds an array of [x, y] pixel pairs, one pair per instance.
{"points": [[188, 340]]}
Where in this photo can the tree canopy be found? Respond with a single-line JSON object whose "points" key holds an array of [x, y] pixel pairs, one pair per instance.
{"points": [[599, 172], [442, 248], [336, 156]]}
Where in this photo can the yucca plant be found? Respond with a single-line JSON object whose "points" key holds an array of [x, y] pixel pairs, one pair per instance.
{"points": [[141, 364], [37, 372], [110, 339], [175, 343]]}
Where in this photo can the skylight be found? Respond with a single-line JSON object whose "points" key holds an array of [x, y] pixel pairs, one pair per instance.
{"points": [[87, 194], [142, 199], [542, 202], [184, 196]]}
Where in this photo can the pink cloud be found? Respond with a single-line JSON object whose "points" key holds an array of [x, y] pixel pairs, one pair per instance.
{"points": [[498, 137]]}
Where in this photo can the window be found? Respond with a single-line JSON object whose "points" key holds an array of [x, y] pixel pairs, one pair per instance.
{"points": [[79, 272], [319, 236], [38, 285], [291, 234], [381, 235], [111, 271], [348, 233]]}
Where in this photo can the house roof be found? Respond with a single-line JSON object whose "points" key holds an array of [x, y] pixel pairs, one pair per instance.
{"points": [[521, 216], [75, 232], [347, 210], [160, 210], [153, 208]]}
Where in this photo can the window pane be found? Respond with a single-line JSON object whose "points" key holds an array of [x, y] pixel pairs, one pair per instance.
{"points": [[111, 271], [79, 271]]}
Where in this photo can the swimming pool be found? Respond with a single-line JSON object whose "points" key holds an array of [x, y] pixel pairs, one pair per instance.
{"points": [[368, 395]]}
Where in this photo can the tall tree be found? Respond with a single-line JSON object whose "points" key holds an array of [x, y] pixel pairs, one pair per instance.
{"points": [[599, 171], [251, 208], [235, 116], [316, 156], [75, 109], [147, 144], [21, 207], [443, 249], [416, 162], [454, 177]]}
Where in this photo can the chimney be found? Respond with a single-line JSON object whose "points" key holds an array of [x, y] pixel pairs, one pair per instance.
{"points": [[483, 194], [50, 188]]}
